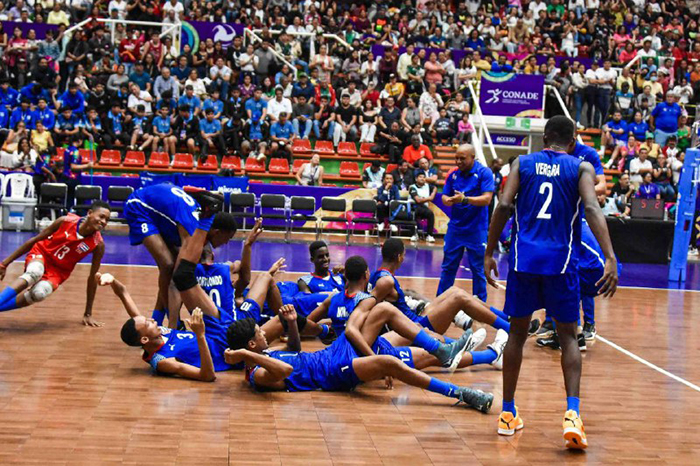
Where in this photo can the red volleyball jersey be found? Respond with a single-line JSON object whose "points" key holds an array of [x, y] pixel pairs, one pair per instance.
{"points": [[66, 247]]}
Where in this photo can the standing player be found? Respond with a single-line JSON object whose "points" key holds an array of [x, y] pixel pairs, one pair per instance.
{"points": [[550, 186], [51, 257], [164, 217], [323, 279], [469, 191]]}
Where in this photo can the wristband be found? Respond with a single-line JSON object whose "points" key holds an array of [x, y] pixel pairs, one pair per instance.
{"points": [[465, 201]]}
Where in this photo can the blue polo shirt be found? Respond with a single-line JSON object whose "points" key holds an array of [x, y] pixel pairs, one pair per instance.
{"points": [[622, 124], [9, 98], [4, 117], [281, 131], [192, 102], [209, 127], [666, 117], [162, 125], [75, 102], [469, 220], [255, 106], [216, 105], [639, 130], [27, 116], [588, 154], [47, 117]]}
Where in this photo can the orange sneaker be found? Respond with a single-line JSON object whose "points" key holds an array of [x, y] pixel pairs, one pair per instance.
{"points": [[574, 433], [509, 424]]}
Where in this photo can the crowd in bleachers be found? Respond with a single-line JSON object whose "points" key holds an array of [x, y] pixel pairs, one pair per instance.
{"points": [[629, 67]]}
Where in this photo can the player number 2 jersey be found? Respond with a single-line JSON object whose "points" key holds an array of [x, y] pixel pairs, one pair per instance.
{"points": [[547, 220], [66, 247]]}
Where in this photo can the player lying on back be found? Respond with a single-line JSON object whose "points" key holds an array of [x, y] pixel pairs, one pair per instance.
{"points": [[341, 306], [51, 257], [341, 366], [323, 279], [163, 218]]}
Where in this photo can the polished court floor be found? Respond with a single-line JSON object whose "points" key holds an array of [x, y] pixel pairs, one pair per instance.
{"points": [[76, 395]]}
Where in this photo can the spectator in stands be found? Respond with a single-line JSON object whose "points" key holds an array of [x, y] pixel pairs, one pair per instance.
{"points": [[41, 139], [369, 117], [648, 190], [67, 126], [430, 172], [139, 97], [391, 142], [186, 129], [663, 178], [664, 119], [416, 151], [403, 175], [282, 137], [24, 114], [166, 82], [373, 176], [386, 193], [441, 130], [302, 117], [211, 133], [324, 120], [24, 157], [73, 166], [310, 173], [160, 125], [278, 105], [422, 194], [346, 121], [640, 167], [653, 149]]}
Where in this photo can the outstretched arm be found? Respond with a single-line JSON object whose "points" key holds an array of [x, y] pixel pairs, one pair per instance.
{"points": [[506, 205], [205, 372], [105, 279], [288, 313], [97, 255], [27, 246], [244, 273], [596, 220]]}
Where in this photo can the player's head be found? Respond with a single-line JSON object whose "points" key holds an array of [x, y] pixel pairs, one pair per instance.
{"points": [[464, 157], [320, 257], [98, 216], [246, 334], [207, 256], [139, 330], [356, 270], [223, 229], [393, 251], [560, 132]]}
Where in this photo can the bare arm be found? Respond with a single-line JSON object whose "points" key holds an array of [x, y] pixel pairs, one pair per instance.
{"points": [[303, 287], [205, 372], [121, 292], [288, 313], [596, 220], [355, 323], [271, 372], [601, 184], [383, 288], [27, 246], [244, 273], [97, 255]]}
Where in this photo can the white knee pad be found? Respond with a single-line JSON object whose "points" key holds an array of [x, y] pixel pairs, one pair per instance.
{"points": [[33, 273], [38, 292]]}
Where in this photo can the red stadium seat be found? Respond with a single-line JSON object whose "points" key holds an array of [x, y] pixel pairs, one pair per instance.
{"points": [[183, 161], [231, 162], [365, 149], [329, 185], [110, 158], [253, 166], [301, 146], [278, 182], [209, 164], [159, 160], [391, 167], [86, 154], [347, 148], [297, 165], [101, 174], [135, 159], [366, 166], [130, 175], [255, 181], [279, 166], [353, 186], [324, 148], [349, 170]]}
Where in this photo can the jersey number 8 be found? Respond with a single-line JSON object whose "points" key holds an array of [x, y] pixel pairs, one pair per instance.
{"points": [[184, 196]]}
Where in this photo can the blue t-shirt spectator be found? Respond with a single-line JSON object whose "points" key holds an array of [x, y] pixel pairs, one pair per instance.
{"points": [[192, 102], [216, 105], [639, 130], [47, 117], [209, 127], [9, 98], [282, 131], [75, 102], [648, 191], [256, 107], [666, 116], [4, 118], [162, 125], [142, 79], [306, 91], [619, 125], [27, 116]]}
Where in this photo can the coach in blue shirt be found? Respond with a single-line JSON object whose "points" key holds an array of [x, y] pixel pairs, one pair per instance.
{"points": [[469, 191], [664, 119]]}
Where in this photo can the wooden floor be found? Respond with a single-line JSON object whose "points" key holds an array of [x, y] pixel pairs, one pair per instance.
{"points": [[76, 395]]}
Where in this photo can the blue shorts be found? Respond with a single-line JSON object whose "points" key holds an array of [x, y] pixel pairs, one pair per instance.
{"points": [[558, 294], [404, 353], [305, 303], [248, 308], [215, 333], [588, 279], [145, 221], [336, 360]]}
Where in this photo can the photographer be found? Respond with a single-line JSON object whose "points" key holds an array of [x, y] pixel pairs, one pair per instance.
{"points": [[311, 173]]}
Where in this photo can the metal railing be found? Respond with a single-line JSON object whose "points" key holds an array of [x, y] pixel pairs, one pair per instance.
{"points": [[480, 116], [255, 38], [167, 30], [694, 138]]}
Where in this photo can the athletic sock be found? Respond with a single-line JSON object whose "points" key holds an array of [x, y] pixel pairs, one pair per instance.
{"points": [[483, 357], [499, 313], [501, 324], [8, 299], [159, 315], [443, 388], [449, 340], [572, 402], [325, 329], [425, 341], [509, 406]]}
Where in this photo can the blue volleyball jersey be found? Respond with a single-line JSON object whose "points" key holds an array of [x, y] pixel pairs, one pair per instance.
{"points": [[329, 283], [215, 280], [400, 303], [340, 308], [160, 208], [288, 288], [547, 228], [183, 346], [590, 254], [588, 154]]}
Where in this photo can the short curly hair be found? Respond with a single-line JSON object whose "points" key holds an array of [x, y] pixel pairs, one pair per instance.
{"points": [[240, 332]]}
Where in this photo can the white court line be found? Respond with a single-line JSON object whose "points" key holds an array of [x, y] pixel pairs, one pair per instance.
{"points": [[648, 364]]}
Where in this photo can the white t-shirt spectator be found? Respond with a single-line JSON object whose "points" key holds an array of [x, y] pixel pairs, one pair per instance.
{"points": [[609, 76], [274, 108], [685, 92], [178, 8], [225, 72], [635, 166], [248, 64], [144, 99], [536, 7], [120, 6]]}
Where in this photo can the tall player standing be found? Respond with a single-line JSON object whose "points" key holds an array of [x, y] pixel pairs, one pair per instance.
{"points": [[545, 191], [51, 257]]}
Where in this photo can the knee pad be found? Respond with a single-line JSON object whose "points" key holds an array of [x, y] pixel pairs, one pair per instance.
{"points": [[38, 292], [33, 273], [184, 276], [301, 323]]}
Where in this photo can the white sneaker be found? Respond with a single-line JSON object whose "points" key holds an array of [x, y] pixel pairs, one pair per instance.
{"points": [[394, 228], [430, 239], [478, 338], [414, 238], [498, 344], [462, 320], [380, 227], [692, 252], [580, 126]]}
